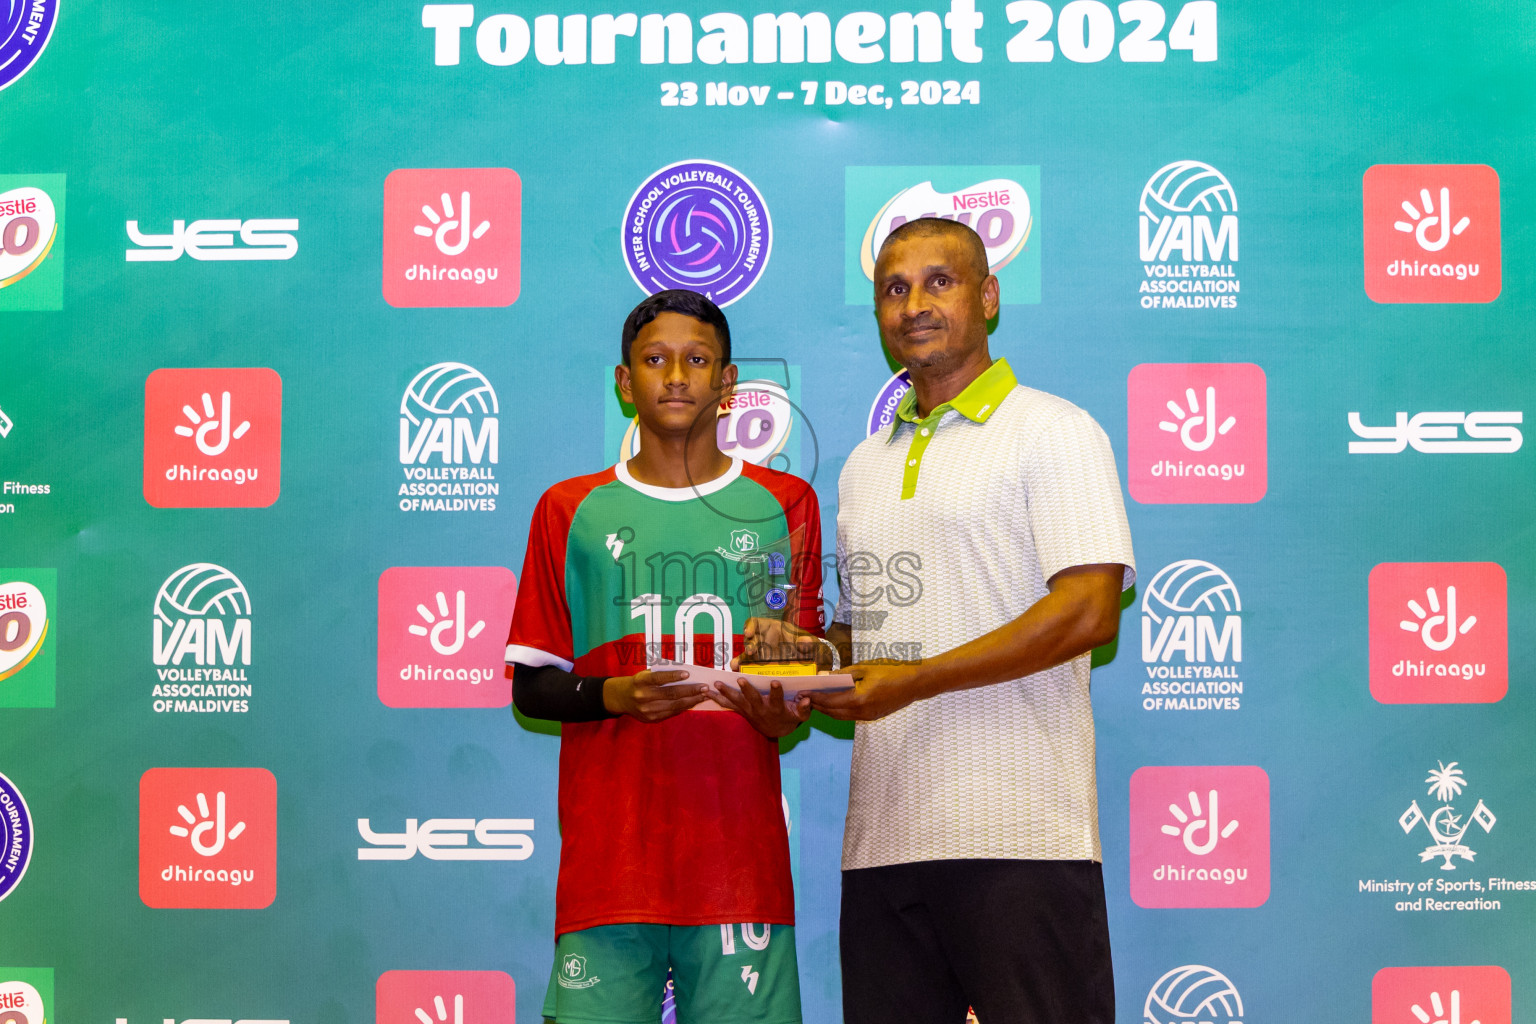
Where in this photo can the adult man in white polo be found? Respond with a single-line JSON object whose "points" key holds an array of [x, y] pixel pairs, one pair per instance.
{"points": [[971, 862]]}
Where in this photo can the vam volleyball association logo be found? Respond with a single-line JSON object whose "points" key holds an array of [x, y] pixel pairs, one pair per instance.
{"points": [[27, 644], [31, 229], [1439, 632], [450, 441], [213, 438], [208, 838], [1001, 204], [1189, 238], [1441, 995], [1192, 639], [442, 636], [1193, 994], [1197, 433], [201, 641], [1200, 836], [699, 225]]}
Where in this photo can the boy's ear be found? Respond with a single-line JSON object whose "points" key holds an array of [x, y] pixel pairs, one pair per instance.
{"points": [[728, 381], [621, 378]]}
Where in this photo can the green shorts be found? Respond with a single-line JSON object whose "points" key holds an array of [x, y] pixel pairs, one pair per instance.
{"points": [[722, 974]]}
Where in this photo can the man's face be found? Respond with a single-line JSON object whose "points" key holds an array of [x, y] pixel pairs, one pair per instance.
{"points": [[675, 378], [932, 302]]}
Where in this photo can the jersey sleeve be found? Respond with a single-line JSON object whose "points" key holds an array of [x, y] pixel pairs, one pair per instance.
{"points": [[804, 519], [541, 621], [1076, 510]]}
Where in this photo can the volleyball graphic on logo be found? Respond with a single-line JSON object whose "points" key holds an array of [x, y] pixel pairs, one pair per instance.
{"points": [[1187, 186], [447, 389], [1191, 993], [200, 589], [1188, 587]]}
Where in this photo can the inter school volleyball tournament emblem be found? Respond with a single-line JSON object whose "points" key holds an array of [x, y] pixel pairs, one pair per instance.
{"points": [[25, 29], [15, 837], [698, 225]]}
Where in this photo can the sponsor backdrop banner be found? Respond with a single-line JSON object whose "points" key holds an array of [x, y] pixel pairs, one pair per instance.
{"points": [[302, 307]]}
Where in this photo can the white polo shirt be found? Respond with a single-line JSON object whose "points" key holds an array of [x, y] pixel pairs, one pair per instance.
{"points": [[948, 528]]}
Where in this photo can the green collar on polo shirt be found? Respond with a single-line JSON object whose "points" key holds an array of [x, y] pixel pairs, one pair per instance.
{"points": [[977, 402]]}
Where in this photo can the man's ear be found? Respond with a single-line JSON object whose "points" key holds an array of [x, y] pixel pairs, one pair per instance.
{"points": [[626, 389], [991, 296]]}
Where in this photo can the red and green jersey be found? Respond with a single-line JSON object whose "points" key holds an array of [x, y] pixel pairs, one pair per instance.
{"points": [[678, 822]]}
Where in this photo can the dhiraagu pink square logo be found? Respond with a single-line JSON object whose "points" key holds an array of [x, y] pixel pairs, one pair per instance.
{"points": [[1200, 836], [1439, 632], [1198, 433], [1441, 995], [443, 636], [445, 997]]}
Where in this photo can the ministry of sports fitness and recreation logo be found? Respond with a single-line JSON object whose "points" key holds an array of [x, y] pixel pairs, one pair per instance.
{"points": [[26, 994], [201, 641], [1191, 639], [450, 441], [1441, 995], [27, 645], [1188, 235], [208, 838], [31, 234], [213, 438], [1200, 836], [1001, 203], [699, 225], [15, 837], [442, 636], [453, 237], [1439, 632], [1432, 233], [1197, 433], [25, 29], [1446, 827], [1193, 993], [445, 997]]}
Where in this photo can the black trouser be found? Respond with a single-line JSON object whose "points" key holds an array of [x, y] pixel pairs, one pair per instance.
{"points": [[1020, 941]]}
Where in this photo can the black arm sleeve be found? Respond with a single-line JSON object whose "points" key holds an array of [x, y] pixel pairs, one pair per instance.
{"points": [[551, 693]]}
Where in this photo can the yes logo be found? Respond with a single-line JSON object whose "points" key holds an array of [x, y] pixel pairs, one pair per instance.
{"points": [[445, 997], [1439, 632], [27, 650], [213, 438], [1441, 995], [31, 234], [26, 994], [1432, 233], [452, 237], [442, 636], [1198, 433], [208, 838], [1200, 836], [1001, 204]]}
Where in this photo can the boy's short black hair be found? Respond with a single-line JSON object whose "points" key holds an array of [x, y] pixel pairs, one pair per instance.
{"points": [[677, 300]]}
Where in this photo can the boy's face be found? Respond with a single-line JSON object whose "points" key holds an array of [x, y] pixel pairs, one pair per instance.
{"points": [[675, 378]]}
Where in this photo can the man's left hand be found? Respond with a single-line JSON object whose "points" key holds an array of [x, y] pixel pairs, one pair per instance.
{"points": [[880, 688], [773, 716]]}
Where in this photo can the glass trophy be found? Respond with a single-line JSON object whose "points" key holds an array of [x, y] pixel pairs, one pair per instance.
{"points": [[771, 594]]}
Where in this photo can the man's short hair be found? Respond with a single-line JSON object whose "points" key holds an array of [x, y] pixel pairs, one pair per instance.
{"points": [[677, 300], [940, 226]]}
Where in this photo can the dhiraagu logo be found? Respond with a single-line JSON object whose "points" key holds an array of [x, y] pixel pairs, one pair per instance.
{"points": [[1002, 205]]}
